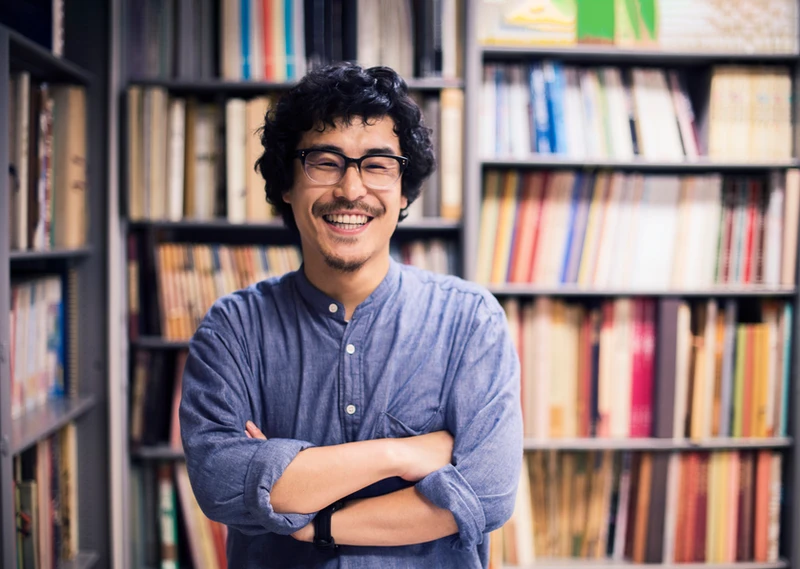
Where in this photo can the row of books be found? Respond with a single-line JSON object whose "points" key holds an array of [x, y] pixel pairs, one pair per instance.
{"points": [[189, 159], [636, 367], [612, 113], [47, 165], [207, 39], [191, 278], [742, 26], [169, 529], [278, 40], [46, 502], [646, 232], [436, 255], [37, 349], [694, 507]]}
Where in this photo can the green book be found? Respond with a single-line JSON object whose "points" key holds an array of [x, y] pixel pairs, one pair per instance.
{"points": [[636, 22], [595, 21]]}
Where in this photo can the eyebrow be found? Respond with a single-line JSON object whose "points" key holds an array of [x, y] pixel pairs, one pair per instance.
{"points": [[376, 150]]}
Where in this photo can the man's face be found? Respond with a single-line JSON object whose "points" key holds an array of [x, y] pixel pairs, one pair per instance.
{"points": [[347, 224]]}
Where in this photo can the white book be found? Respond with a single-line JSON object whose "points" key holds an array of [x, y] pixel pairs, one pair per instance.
{"points": [[231, 38], [175, 160], [518, 124], [774, 229], [299, 35], [205, 138], [19, 198], [488, 114], [235, 152], [617, 114], [257, 39], [449, 39], [609, 247], [573, 114]]}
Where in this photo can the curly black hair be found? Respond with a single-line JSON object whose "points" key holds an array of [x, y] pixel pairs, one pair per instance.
{"points": [[342, 91]]}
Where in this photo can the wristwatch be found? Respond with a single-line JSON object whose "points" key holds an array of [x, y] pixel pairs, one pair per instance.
{"points": [[322, 526]]}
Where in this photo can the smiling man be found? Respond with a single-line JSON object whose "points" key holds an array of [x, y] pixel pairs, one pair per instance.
{"points": [[356, 413]]}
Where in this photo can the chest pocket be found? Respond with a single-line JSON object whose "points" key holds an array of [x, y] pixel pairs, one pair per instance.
{"points": [[414, 407]]}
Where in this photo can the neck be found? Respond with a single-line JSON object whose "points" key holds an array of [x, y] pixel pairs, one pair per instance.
{"points": [[351, 289]]}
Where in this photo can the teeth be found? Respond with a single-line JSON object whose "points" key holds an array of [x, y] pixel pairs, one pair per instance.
{"points": [[348, 219]]}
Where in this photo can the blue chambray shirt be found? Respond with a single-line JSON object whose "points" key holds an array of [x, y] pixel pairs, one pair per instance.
{"points": [[422, 353]]}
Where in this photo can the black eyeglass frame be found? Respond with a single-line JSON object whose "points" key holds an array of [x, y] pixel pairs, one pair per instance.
{"points": [[302, 153]]}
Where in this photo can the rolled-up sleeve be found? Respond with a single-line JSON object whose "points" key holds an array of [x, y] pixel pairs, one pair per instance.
{"points": [[485, 418], [231, 475]]}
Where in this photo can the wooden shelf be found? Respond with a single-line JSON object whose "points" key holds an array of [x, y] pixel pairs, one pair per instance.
{"points": [[43, 421], [528, 290], [593, 54], [83, 560], [157, 343], [700, 165], [60, 255], [220, 86], [653, 444], [27, 55], [159, 452]]}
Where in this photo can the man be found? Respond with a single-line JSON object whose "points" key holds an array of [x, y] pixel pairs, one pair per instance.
{"points": [[357, 412]]}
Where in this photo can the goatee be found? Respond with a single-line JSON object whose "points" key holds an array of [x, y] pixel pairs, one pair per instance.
{"points": [[343, 266]]}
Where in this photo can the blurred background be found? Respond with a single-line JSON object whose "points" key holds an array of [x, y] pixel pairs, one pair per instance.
{"points": [[621, 174]]}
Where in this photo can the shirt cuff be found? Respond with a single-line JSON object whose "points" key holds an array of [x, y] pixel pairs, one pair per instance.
{"points": [[266, 467], [449, 490]]}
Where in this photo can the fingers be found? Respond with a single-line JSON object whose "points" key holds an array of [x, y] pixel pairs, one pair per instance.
{"points": [[253, 432]]}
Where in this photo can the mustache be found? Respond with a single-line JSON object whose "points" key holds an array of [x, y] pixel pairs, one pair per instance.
{"points": [[320, 209]]}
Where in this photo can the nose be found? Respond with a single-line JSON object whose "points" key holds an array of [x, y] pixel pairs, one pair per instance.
{"points": [[351, 187]]}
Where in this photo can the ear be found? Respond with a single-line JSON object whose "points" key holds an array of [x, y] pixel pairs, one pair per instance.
{"points": [[403, 202], [287, 197]]}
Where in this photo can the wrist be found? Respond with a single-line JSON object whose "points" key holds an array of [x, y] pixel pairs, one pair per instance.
{"points": [[396, 457]]}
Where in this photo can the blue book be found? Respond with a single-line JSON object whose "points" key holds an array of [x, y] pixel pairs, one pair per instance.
{"points": [[288, 16], [574, 208], [245, 30], [541, 121]]}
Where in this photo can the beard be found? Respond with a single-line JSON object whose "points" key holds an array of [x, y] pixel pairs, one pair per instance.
{"points": [[342, 265], [321, 209]]}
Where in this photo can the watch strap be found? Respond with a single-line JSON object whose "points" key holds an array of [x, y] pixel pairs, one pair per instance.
{"points": [[322, 526]]}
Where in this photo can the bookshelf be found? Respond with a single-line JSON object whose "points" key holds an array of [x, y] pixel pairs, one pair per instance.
{"points": [[78, 417], [466, 234], [695, 64], [133, 462]]}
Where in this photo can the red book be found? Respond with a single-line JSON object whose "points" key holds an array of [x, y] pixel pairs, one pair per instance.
{"points": [[527, 226], [762, 492], [546, 193], [749, 231], [637, 379], [269, 57]]}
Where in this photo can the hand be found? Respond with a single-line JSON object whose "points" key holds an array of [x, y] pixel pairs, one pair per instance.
{"points": [[253, 432], [424, 454], [305, 533]]}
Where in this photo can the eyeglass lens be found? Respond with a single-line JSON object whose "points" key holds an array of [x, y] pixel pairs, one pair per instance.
{"points": [[328, 168]]}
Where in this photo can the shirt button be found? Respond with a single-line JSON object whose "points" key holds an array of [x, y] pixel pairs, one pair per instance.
{"points": [[351, 349], [333, 308], [350, 409]]}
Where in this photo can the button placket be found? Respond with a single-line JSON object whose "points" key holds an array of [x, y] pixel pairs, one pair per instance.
{"points": [[352, 374]]}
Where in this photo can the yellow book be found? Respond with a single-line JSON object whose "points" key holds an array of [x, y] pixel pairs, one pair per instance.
{"points": [[490, 210], [594, 229], [505, 226]]}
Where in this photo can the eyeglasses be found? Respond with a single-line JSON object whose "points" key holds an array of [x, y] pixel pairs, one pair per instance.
{"points": [[327, 167]]}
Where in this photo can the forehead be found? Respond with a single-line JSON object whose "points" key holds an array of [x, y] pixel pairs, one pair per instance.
{"points": [[354, 137]]}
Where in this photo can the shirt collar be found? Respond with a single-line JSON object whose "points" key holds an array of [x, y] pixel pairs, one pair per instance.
{"points": [[322, 303]]}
